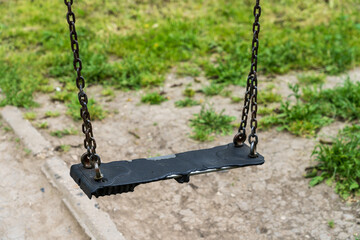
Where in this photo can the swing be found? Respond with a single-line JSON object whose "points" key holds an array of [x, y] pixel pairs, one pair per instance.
{"points": [[102, 179]]}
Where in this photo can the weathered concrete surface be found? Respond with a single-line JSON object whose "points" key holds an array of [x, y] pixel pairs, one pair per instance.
{"points": [[32, 139], [96, 223], [29, 206]]}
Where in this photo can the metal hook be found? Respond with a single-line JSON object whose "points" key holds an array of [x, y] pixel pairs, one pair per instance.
{"points": [[98, 174], [253, 153], [239, 139], [85, 160]]}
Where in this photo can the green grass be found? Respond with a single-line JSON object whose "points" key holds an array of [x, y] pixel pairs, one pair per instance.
{"points": [[43, 125], [301, 119], [265, 111], [187, 102], [50, 114], [235, 99], [207, 123], [64, 132], [64, 148], [331, 224], [134, 44], [339, 163], [46, 89], [213, 89], [343, 101], [188, 69], [7, 129], [226, 93], [268, 97], [27, 151], [29, 116], [270, 87], [96, 111], [189, 92], [311, 78], [108, 92], [68, 95], [63, 96], [17, 90], [315, 108], [153, 98]]}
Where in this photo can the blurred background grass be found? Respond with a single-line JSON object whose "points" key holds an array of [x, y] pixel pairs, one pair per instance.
{"points": [[133, 44]]}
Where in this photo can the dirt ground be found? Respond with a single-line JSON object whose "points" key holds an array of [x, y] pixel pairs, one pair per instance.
{"points": [[272, 201], [29, 205]]}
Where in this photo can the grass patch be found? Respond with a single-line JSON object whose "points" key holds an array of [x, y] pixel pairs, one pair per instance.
{"points": [[62, 96], [108, 92], [315, 108], [187, 102], [189, 92], [153, 98], [130, 44], [226, 93], [43, 125], [269, 97], [270, 87], [213, 89], [188, 69], [235, 99], [340, 162], [64, 148], [27, 151], [50, 114], [46, 89], [343, 101], [69, 97], [96, 111], [265, 111], [311, 78], [7, 129], [301, 119], [29, 116], [331, 224], [207, 123], [64, 132], [16, 88]]}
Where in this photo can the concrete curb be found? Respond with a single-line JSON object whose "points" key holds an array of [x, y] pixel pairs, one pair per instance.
{"points": [[96, 223], [32, 139]]}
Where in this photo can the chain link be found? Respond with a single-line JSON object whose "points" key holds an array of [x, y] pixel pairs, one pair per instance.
{"points": [[250, 100], [89, 159]]}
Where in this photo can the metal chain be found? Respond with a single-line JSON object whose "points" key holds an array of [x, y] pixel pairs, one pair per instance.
{"points": [[250, 100], [89, 159]]}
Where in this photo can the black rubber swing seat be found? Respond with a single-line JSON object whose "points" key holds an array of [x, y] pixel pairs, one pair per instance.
{"points": [[124, 176]]}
